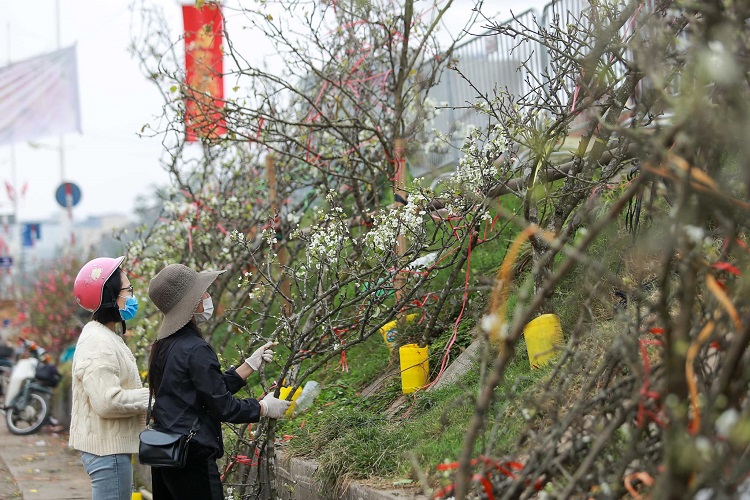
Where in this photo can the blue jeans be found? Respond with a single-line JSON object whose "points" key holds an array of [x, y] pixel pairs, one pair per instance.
{"points": [[111, 476]]}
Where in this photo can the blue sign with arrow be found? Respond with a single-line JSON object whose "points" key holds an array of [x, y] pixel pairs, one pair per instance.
{"points": [[68, 194], [31, 234]]}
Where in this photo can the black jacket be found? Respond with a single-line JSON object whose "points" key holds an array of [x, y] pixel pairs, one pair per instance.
{"points": [[190, 384]]}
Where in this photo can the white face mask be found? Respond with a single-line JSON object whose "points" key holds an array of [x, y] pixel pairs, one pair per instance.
{"points": [[208, 310]]}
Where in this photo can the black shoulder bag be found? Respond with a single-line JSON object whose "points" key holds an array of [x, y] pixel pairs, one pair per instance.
{"points": [[164, 449]]}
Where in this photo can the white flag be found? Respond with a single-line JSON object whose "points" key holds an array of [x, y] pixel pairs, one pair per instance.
{"points": [[39, 97]]}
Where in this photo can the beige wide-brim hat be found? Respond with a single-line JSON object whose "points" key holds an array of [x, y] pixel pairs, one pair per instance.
{"points": [[176, 291]]}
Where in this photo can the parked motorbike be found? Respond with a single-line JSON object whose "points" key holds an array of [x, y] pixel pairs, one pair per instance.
{"points": [[29, 391], [7, 355]]}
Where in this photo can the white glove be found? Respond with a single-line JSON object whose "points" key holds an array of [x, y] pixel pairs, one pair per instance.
{"points": [[273, 407], [263, 353]]}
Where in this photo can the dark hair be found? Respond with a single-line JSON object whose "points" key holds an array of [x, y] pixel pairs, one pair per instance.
{"points": [[154, 374], [108, 312], [153, 379]]}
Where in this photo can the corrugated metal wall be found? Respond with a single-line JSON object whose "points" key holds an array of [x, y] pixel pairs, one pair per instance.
{"points": [[495, 62]]}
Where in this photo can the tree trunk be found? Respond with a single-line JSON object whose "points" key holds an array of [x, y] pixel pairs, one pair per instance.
{"points": [[539, 249], [542, 268]]}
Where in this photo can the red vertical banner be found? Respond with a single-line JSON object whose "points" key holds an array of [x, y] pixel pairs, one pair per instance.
{"points": [[204, 68]]}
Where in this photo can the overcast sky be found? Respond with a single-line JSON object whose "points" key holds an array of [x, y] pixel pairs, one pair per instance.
{"points": [[110, 164]]}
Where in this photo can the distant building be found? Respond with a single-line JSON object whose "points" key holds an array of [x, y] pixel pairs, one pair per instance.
{"points": [[92, 236]]}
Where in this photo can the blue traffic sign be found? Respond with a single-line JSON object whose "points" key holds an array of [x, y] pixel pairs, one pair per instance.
{"points": [[30, 234], [68, 194]]}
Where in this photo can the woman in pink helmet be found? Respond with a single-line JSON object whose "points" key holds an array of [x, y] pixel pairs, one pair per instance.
{"points": [[109, 401]]}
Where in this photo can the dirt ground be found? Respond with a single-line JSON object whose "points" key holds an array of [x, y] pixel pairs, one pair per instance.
{"points": [[8, 487], [40, 467]]}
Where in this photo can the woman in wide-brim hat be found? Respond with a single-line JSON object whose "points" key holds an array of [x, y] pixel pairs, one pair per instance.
{"points": [[191, 392]]}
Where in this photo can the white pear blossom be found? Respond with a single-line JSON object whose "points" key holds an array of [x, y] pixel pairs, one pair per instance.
{"points": [[388, 224], [327, 239]]}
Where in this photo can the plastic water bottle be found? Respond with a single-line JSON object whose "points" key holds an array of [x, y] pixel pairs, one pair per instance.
{"points": [[309, 393]]}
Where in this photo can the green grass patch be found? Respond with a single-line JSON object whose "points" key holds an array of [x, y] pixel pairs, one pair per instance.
{"points": [[353, 438]]}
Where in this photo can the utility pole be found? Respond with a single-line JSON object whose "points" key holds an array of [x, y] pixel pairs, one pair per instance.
{"points": [[68, 191], [17, 249]]}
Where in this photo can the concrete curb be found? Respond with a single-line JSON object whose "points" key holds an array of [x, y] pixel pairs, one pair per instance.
{"points": [[297, 478]]}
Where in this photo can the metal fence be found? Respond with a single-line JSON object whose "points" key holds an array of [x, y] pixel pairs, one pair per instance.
{"points": [[493, 62], [487, 64]]}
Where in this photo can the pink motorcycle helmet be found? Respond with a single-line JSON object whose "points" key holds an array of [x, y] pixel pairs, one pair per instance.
{"points": [[89, 284]]}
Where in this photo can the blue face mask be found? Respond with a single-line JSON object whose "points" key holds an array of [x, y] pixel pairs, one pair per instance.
{"points": [[131, 307]]}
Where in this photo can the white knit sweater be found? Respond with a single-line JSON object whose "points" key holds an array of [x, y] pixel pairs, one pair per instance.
{"points": [[109, 401]]}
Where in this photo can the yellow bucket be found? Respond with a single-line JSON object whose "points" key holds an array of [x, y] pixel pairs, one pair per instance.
{"points": [[284, 392], [415, 367], [389, 331], [543, 334]]}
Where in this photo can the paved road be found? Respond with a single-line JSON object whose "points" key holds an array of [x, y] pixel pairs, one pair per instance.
{"points": [[40, 467]]}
